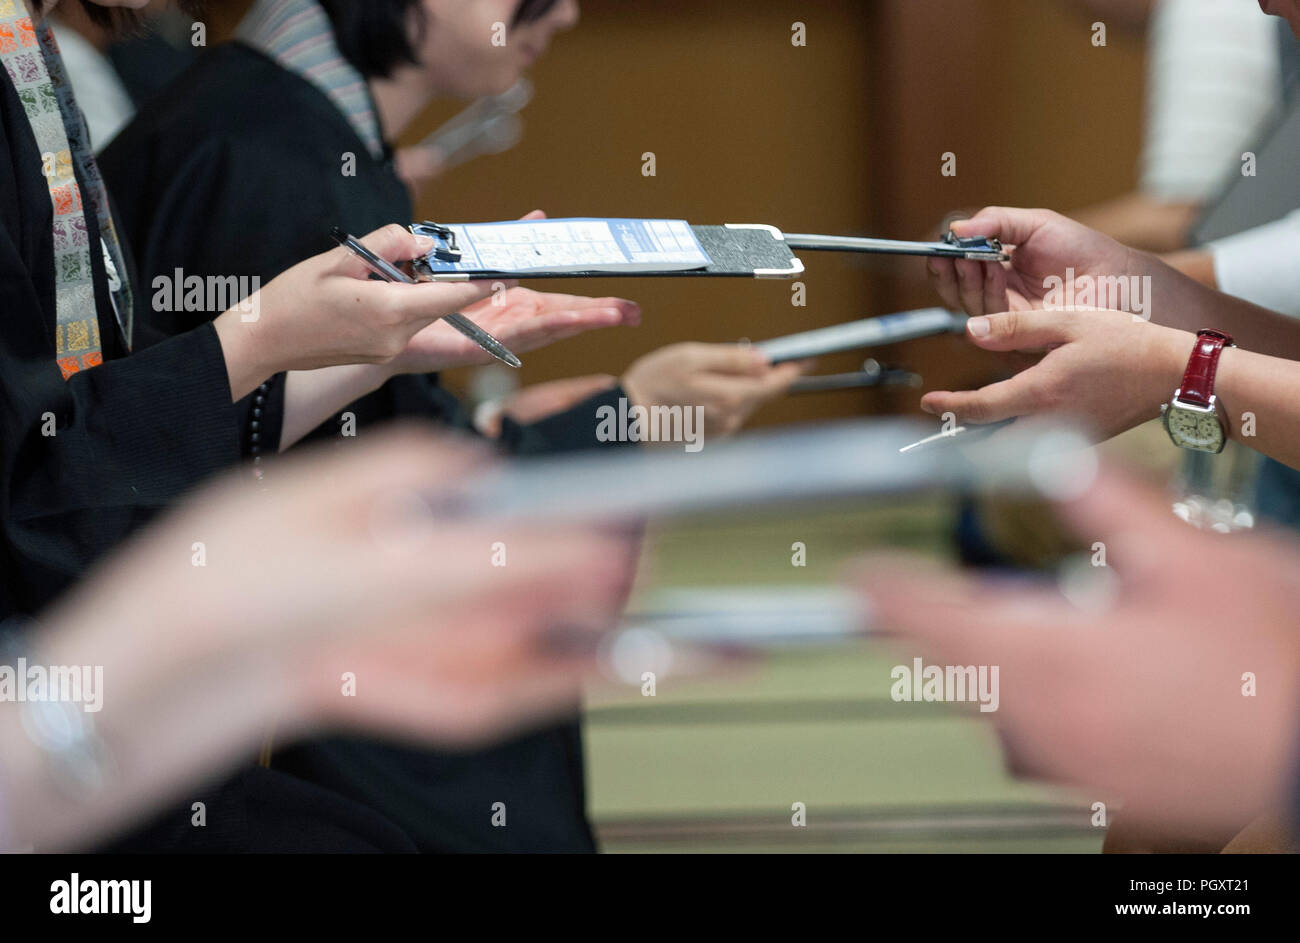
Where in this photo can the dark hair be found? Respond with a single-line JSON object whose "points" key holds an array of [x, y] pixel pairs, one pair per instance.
{"points": [[532, 10], [376, 36]]}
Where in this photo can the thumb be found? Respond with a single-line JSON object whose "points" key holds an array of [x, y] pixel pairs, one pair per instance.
{"points": [[1020, 330], [427, 301], [739, 359], [1009, 225], [393, 243], [535, 214]]}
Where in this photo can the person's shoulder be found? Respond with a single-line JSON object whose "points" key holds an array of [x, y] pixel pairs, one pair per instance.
{"points": [[233, 107], [232, 91]]}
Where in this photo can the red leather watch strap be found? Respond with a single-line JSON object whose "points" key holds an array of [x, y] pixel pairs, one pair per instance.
{"points": [[1198, 382]]}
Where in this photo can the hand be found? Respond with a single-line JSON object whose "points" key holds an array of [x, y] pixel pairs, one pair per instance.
{"points": [[1107, 368], [522, 319], [542, 400], [418, 166], [1145, 700], [339, 567], [1042, 244], [337, 545], [1106, 275], [327, 311], [729, 382]]}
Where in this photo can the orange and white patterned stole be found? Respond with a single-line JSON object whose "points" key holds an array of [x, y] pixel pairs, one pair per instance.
{"points": [[31, 57]]}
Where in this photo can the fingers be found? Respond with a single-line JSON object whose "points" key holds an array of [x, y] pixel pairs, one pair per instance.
{"points": [[565, 576], [547, 399], [392, 243], [952, 613], [424, 302], [973, 287], [595, 312], [943, 273], [628, 313], [1135, 522], [1116, 502], [739, 396], [734, 359], [780, 378], [461, 714], [970, 286], [534, 214], [553, 326], [429, 301], [400, 459], [546, 307], [1021, 330], [1010, 225], [1008, 399], [409, 458], [1019, 395], [995, 289]]}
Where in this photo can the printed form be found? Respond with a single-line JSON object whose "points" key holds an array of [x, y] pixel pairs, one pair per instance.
{"points": [[575, 245]]}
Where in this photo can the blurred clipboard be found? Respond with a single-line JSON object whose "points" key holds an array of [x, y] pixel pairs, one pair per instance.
{"points": [[869, 332], [649, 248]]}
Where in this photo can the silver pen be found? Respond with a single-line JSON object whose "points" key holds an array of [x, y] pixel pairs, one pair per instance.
{"points": [[391, 273]]}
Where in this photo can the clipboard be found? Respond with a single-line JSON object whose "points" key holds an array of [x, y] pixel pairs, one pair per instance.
{"points": [[757, 618], [869, 332], [734, 250], [799, 466]]}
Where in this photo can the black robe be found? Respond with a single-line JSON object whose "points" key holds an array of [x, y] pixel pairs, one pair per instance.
{"points": [[238, 170], [130, 435]]}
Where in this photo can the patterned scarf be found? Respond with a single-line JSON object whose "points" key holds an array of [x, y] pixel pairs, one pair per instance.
{"points": [[31, 57], [299, 36]]}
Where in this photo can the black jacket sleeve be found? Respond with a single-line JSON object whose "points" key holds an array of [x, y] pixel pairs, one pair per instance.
{"points": [[573, 430], [84, 461], [87, 460]]}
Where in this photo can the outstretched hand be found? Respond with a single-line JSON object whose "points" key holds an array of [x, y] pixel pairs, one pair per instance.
{"points": [[1173, 688]]}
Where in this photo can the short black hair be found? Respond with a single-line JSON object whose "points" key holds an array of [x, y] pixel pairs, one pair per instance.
{"points": [[530, 10], [376, 36]]}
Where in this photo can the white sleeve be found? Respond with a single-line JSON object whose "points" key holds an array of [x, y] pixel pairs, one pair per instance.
{"points": [[104, 101], [1262, 265], [1213, 78]]}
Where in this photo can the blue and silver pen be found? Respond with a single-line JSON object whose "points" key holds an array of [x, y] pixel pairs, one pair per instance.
{"points": [[390, 273]]}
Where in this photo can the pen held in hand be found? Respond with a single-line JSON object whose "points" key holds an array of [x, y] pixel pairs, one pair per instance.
{"points": [[391, 273]]}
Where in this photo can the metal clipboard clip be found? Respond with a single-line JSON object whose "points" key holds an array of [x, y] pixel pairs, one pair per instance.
{"points": [[981, 244], [445, 249]]}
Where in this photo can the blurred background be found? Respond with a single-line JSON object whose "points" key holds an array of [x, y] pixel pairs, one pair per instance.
{"points": [[846, 136]]}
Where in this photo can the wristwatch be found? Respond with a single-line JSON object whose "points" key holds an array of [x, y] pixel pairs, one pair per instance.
{"points": [[1194, 418]]}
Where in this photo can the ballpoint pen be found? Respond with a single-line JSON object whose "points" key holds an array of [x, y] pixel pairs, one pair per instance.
{"points": [[391, 273]]}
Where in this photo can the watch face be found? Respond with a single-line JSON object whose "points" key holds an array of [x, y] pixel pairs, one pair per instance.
{"points": [[1194, 429]]}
